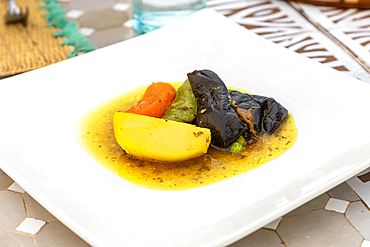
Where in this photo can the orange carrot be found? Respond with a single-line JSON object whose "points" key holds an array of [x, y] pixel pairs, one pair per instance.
{"points": [[157, 98]]}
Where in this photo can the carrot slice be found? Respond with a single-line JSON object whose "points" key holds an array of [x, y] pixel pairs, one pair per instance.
{"points": [[157, 98]]}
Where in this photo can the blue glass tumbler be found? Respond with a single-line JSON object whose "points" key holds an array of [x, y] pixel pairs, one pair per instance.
{"points": [[149, 15]]}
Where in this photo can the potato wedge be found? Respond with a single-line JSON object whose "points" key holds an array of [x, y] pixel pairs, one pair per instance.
{"points": [[159, 139]]}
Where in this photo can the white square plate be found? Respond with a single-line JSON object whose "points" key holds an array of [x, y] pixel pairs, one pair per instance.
{"points": [[39, 112]]}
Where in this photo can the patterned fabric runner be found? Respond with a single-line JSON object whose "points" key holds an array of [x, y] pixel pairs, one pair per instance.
{"points": [[284, 23], [339, 3]]}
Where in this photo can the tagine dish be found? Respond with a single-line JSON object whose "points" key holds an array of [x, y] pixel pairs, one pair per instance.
{"points": [[184, 135]]}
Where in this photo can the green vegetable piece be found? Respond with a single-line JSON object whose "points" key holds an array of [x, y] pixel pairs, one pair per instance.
{"points": [[236, 147], [241, 140], [184, 107]]}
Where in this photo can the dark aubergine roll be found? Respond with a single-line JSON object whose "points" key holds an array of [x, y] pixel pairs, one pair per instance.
{"points": [[214, 108], [268, 114]]}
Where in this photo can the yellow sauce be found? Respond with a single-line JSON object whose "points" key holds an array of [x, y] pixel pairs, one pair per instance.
{"points": [[97, 137]]}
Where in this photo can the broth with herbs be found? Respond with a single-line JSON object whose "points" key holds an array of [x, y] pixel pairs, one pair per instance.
{"points": [[96, 135]]}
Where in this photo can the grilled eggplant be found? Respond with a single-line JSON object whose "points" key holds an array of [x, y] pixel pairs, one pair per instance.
{"points": [[229, 113], [268, 114], [214, 108]]}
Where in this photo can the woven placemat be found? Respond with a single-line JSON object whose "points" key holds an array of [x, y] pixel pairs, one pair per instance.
{"points": [[25, 48], [360, 4]]}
